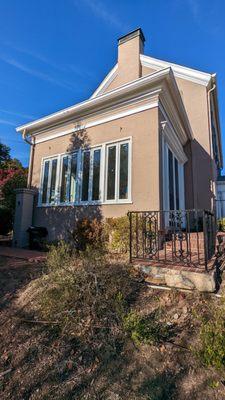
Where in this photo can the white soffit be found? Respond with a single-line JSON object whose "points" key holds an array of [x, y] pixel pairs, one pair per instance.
{"points": [[179, 71]]}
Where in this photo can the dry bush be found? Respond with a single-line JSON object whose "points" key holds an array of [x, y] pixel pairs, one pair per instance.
{"points": [[88, 233], [118, 233], [87, 296]]}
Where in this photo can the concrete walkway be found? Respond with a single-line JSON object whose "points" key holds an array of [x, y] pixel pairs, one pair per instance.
{"points": [[24, 254]]}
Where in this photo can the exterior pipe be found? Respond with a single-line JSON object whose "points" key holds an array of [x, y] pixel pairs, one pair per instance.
{"points": [[210, 139], [31, 161]]}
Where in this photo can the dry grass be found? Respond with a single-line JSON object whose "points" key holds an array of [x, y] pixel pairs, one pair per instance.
{"points": [[44, 364]]}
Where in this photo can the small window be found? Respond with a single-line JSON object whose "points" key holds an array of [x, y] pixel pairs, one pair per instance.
{"points": [[45, 182], [53, 182], [117, 177], [111, 173], [96, 175], [86, 174], [73, 178], [64, 177], [123, 185]]}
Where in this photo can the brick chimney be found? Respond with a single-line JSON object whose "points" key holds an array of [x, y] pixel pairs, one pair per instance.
{"points": [[130, 47]]}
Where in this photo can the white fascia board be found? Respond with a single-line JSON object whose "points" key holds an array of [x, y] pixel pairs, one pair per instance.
{"points": [[193, 75], [106, 82], [91, 104]]}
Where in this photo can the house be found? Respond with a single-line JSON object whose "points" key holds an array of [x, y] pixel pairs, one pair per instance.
{"points": [[147, 139], [220, 196]]}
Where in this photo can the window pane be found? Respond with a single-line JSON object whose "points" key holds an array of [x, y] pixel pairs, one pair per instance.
{"points": [[111, 173], [123, 191], [96, 174], [85, 180], [171, 184], [53, 181], [177, 184], [45, 182], [64, 180], [73, 176]]}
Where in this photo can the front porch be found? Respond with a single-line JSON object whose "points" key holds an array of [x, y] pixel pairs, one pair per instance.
{"points": [[176, 248]]}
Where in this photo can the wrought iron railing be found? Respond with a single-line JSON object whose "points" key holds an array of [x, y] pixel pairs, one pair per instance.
{"points": [[184, 237]]}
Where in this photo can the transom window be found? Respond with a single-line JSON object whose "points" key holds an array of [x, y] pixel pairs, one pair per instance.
{"points": [[99, 174]]}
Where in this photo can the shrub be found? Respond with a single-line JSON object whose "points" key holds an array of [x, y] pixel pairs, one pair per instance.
{"points": [[221, 224], [6, 220], [87, 297], [87, 233], [118, 232], [210, 348], [146, 329]]}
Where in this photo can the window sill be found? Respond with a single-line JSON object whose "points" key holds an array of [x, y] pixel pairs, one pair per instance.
{"points": [[84, 204]]}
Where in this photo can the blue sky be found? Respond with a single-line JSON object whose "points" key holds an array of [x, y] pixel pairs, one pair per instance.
{"points": [[54, 53]]}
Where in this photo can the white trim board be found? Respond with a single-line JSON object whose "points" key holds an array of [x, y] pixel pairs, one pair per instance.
{"points": [[180, 71], [106, 82], [109, 118], [99, 101], [193, 75]]}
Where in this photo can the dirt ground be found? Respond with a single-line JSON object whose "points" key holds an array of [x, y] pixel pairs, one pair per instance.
{"points": [[36, 363]]}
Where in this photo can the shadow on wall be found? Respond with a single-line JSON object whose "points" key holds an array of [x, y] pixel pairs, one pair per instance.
{"points": [[60, 220], [198, 174]]}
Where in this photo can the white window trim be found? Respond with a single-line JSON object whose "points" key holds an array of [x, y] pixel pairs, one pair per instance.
{"points": [[103, 179], [117, 200]]}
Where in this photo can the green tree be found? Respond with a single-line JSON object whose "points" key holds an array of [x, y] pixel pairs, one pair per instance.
{"points": [[4, 154], [12, 176]]}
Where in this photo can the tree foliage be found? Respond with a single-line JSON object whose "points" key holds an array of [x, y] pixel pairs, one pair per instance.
{"points": [[12, 176]]}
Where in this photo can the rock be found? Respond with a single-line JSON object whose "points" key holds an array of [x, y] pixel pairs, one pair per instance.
{"points": [[176, 316], [185, 310]]}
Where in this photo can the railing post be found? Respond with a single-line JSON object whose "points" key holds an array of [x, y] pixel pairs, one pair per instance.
{"points": [[130, 221], [205, 239]]}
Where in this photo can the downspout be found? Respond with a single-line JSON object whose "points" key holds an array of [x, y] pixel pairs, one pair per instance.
{"points": [[31, 161], [210, 140]]}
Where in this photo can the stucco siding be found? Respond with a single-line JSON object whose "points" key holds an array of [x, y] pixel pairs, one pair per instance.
{"points": [[143, 130]]}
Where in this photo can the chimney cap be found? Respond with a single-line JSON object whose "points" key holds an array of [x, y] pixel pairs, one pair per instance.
{"points": [[131, 35]]}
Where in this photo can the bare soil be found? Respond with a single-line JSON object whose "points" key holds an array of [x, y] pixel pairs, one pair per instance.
{"points": [[37, 363]]}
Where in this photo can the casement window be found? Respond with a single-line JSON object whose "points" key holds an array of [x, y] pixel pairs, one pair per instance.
{"points": [[49, 193], [89, 176], [68, 179], [90, 171], [117, 172]]}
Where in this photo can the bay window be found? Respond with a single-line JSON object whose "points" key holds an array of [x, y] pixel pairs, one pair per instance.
{"points": [[99, 174]]}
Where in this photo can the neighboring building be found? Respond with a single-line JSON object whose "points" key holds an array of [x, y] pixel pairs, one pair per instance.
{"points": [[220, 197], [147, 139]]}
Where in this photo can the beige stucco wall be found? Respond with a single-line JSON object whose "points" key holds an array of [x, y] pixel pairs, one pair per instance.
{"points": [[143, 129], [199, 170]]}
